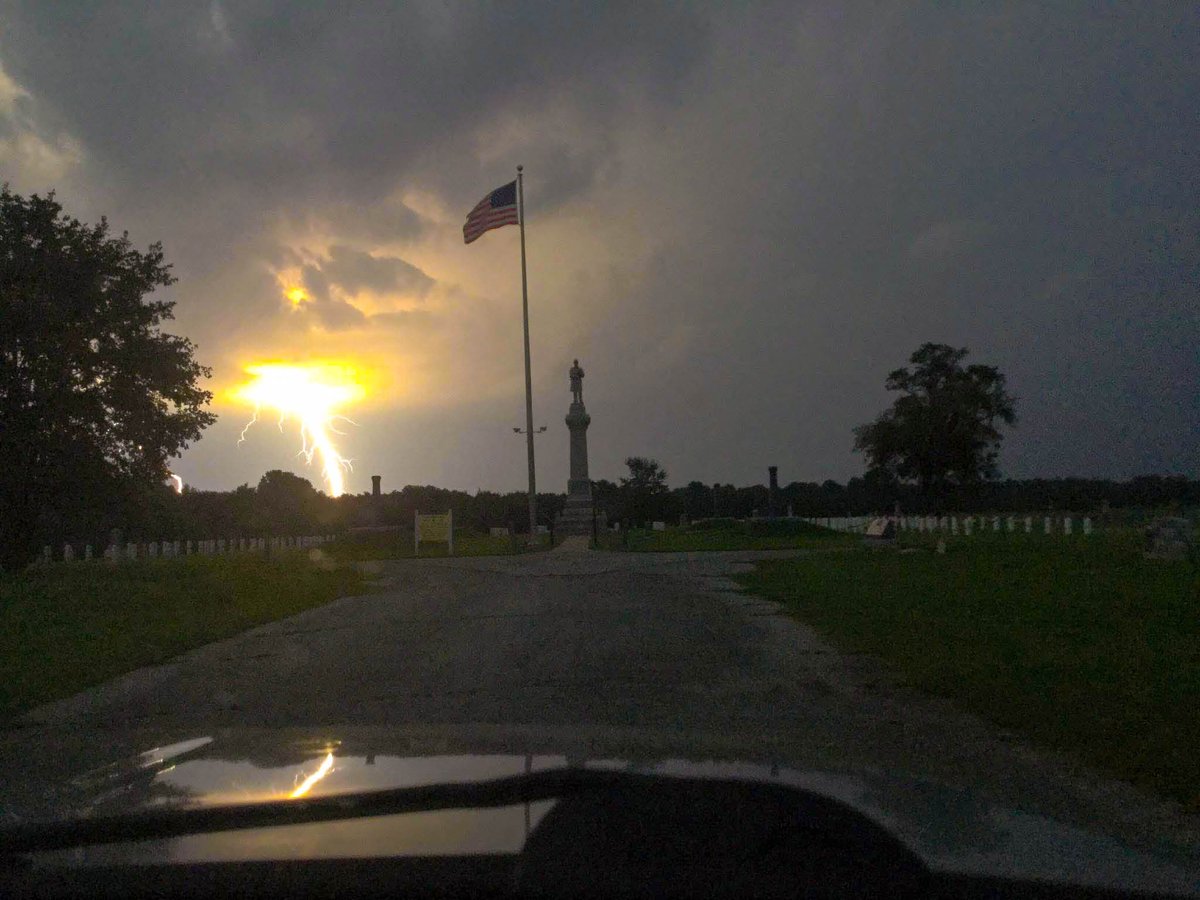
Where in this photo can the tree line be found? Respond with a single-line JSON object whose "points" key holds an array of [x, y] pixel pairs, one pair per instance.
{"points": [[286, 504]]}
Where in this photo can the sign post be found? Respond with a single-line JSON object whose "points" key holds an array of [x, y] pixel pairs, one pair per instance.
{"points": [[438, 527]]}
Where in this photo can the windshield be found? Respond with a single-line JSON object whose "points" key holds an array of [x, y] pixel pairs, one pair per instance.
{"points": [[794, 387]]}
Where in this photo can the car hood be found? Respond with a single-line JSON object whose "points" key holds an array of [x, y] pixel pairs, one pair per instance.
{"points": [[952, 830]]}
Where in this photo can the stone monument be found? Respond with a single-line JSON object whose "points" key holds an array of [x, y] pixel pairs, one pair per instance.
{"points": [[576, 517]]}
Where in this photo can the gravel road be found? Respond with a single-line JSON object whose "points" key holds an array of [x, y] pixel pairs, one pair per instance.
{"points": [[599, 655]]}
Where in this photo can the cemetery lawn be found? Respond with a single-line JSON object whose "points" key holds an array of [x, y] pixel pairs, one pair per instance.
{"points": [[730, 536], [68, 626], [1078, 643], [400, 546]]}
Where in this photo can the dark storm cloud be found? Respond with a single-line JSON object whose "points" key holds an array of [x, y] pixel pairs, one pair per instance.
{"points": [[786, 200], [351, 271], [938, 173], [333, 282], [337, 100]]}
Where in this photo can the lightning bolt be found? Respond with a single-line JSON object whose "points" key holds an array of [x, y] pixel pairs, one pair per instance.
{"points": [[306, 785], [312, 394]]}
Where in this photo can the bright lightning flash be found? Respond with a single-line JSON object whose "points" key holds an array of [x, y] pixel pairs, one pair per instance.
{"points": [[306, 785], [312, 393], [176, 482]]}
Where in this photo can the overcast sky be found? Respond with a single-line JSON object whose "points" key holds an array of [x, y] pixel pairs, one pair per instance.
{"points": [[740, 218]]}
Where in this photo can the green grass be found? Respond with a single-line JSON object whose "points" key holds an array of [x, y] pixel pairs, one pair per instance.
{"points": [[360, 548], [1079, 643], [729, 536], [67, 626]]}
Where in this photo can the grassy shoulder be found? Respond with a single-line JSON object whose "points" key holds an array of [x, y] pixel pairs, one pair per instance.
{"points": [[68, 626], [729, 535], [1081, 644]]}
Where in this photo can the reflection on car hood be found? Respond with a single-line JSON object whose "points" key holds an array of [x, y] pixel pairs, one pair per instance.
{"points": [[950, 829]]}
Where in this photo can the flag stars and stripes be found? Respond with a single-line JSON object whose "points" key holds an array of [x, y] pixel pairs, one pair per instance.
{"points": [[497, 209]]}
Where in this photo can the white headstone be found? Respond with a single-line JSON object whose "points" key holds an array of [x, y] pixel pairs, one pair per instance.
{"points": [[68, 553], [1067, 525], [1046, 525], [659, 526], [995, 523], [968, 524], [47, 553], [1087, 525], [954, 525], [1029, 524], [87, 551], [131, 551], [1012, 523]]}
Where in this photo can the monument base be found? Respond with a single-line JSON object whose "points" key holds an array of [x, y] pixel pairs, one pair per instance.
{"points": [[576, 516]]}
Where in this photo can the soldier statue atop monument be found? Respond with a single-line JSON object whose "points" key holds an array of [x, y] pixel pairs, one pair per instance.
{"points": [[576, 374]]}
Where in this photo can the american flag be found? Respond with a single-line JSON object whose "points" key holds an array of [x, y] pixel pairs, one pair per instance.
{"points": [[496, 209]]}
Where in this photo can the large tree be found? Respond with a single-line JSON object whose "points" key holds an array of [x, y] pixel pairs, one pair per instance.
{"points": [[286, 503], [94, 397], [943, 429], [644, 488]]}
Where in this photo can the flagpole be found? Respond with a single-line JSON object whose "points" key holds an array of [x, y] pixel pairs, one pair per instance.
{"points": [[528, 376]]}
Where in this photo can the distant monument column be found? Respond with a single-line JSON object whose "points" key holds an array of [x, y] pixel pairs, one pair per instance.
{"points": [[773, 492], [576, 517]]}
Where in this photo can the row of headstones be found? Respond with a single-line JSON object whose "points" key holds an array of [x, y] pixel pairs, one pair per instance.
{"points": [[176, 549], [841, 523], [969, 524], [956, 524]]}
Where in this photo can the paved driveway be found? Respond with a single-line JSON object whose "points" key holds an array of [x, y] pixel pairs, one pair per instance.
{"points": [[592, 654]]}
